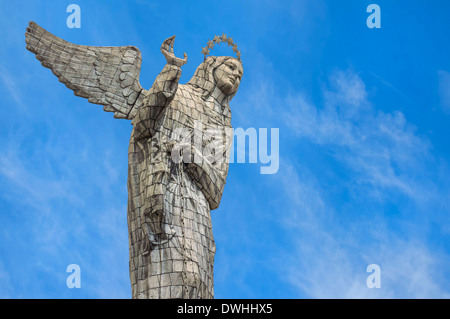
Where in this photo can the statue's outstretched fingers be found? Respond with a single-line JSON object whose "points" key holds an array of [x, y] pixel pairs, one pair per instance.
{"points": [[167, 51], [171, 44], [166, 45]]}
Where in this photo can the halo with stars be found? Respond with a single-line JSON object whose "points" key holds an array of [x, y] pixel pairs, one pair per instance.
{"points": [[222, 39]]}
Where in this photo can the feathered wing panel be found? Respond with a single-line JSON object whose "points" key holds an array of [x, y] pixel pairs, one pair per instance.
{"points": [[108, 76]]}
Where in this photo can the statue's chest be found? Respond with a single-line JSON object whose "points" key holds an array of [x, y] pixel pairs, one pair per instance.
{"points": [[191, 111], [191, 119]]}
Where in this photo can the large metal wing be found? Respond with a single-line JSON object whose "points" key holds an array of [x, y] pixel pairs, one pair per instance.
{"points": [[108, 76]]}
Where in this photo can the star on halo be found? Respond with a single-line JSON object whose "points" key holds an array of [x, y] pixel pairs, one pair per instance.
{"points": [[223, 38], [205, 51]]}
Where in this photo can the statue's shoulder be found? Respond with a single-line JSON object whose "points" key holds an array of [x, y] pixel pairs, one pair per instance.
{"points": [[184, 93]]}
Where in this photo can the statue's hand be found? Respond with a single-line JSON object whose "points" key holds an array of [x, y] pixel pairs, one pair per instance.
{"points": [[182, 151], [167, 51]]}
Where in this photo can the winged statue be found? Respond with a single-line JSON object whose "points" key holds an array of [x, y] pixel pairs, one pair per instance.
{"points": [[171, 244]]}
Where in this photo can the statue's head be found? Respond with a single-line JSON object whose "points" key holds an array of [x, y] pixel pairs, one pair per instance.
{"points": [[222, 72]]}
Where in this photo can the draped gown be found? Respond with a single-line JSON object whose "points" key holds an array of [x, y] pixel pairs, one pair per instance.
{"points": [[170, 231]]}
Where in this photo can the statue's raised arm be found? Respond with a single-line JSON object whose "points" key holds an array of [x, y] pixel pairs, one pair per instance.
{"points": [[161, 93]]}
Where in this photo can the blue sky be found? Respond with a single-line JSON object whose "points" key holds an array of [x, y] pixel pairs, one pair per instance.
{"points": [[364, 170]]}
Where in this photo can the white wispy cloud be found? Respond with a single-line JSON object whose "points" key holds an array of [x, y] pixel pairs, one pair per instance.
{"points": [[382, 148], [385, 156], [14, 91], [65, 203], [7, 290], [329, 258], [444, 90]]}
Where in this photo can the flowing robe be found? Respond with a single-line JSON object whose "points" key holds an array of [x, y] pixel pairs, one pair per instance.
{"points": [[171, 242], [170, 231]]}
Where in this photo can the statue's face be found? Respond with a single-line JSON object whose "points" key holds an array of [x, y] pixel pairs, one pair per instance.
{"points": [[228, 76]]}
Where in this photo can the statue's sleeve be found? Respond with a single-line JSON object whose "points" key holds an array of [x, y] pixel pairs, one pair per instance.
{"points": [[160, 95], [209, 178]]}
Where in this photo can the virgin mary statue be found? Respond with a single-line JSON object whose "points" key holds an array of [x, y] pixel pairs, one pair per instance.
{"points": [[178, 152]]}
